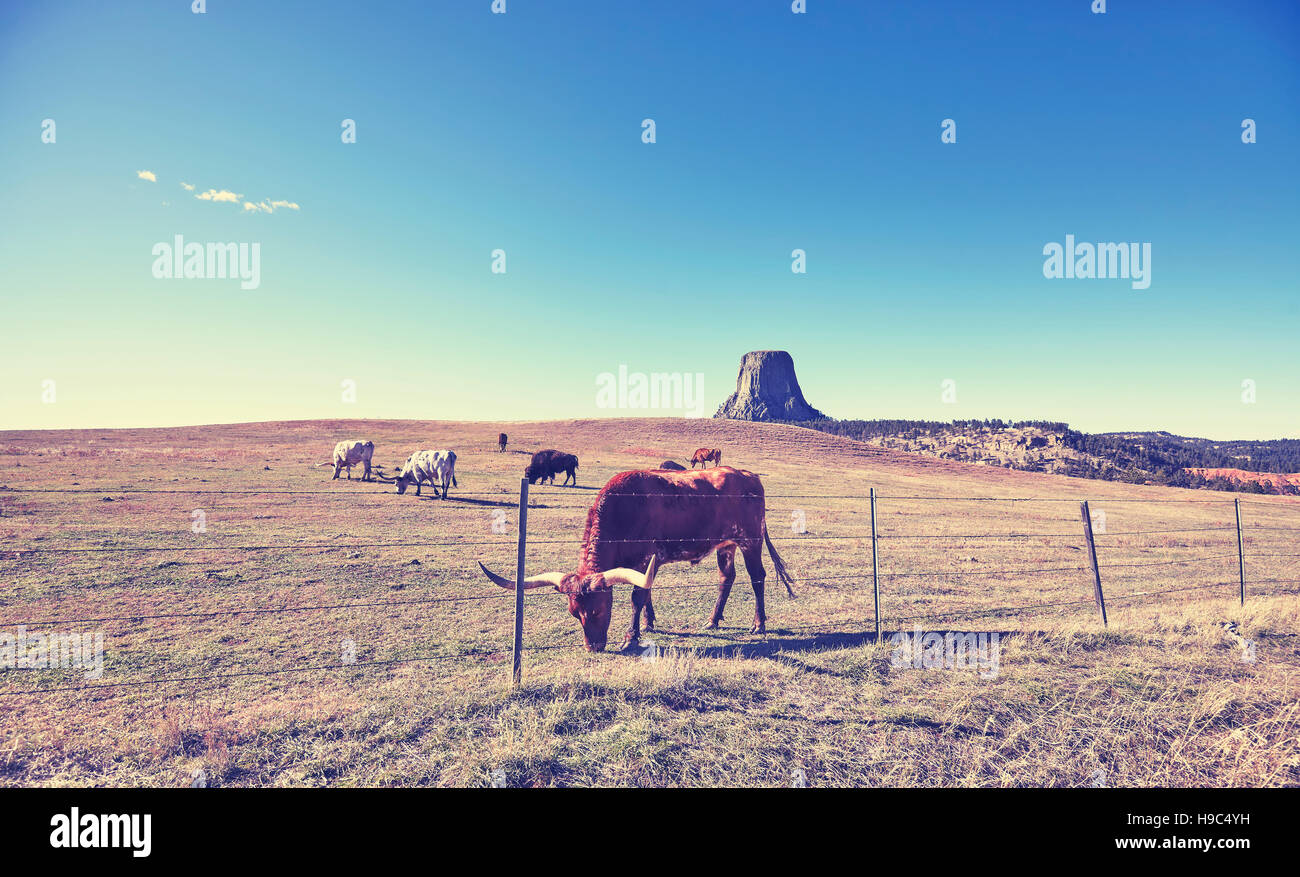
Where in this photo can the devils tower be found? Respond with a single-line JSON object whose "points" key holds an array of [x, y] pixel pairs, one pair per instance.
{"points": [[766, 389]]}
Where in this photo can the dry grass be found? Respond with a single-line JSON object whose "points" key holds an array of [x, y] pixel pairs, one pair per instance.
{"points": [[1161, 697]]}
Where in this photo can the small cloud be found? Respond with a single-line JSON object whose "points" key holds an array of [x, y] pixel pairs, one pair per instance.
{"points": [[188, 187], [214, 195], [265, 206], [147, 175]]}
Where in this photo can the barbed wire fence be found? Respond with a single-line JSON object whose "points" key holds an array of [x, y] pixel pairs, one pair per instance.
{"points": [[855, 583]]}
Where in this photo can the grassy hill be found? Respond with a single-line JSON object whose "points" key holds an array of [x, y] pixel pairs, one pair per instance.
{"points": [[229, 647]]}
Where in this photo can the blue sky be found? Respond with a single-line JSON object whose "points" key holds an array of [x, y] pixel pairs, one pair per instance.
{"points": [[774, 131]]}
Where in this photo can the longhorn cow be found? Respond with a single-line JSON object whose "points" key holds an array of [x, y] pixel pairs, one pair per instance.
{"points": [[349, 454], [642, 519]]}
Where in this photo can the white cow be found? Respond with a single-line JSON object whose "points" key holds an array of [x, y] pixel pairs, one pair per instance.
{"points": [[434, 466], [350, 454]]}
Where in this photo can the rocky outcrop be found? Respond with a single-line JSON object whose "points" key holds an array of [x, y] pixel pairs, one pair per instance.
{"points": [[767, 389]]}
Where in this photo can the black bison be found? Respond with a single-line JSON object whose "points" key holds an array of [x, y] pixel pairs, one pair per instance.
{"points": [[501, 440], [672, 465], [545, 465]]}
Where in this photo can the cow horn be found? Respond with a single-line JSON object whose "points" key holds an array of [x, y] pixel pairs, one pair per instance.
{"points": [[634, 578], [541, 581]]}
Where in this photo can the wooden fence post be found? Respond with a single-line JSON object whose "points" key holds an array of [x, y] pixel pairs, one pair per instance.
{"points": [[519, 580], [875, 564], [1241, 553], [1092, 560]]}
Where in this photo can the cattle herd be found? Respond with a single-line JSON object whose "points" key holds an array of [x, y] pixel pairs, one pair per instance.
{"points": [[638, 521]]}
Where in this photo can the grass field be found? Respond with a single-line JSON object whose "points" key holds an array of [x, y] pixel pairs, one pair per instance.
{"points": [[1184, 688]]}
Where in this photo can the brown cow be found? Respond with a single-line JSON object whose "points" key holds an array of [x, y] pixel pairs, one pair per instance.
{"points": [[646, 518], [501, 440], [704, 456]]}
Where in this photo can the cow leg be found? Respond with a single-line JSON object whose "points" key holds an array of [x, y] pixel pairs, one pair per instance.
{"points": [[757, 576], [640, 600], [366, 477], [726, 577]]}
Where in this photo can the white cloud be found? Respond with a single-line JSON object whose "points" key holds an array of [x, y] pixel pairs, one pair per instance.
{"points": [[147, 175], [265, 206], [188, 187], [214, 195]]}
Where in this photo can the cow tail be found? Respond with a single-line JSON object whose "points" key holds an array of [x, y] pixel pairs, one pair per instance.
{"points": [[781, 573]]}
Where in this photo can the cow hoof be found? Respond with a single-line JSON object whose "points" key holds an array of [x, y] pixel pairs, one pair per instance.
{"points": [[759, 628], [631, 641], [712, 625]]}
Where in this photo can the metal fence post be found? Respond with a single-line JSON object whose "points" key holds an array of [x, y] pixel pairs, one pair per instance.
{"points": [[1092, 560], [1241, 552], [875, 564], [519, 580]]}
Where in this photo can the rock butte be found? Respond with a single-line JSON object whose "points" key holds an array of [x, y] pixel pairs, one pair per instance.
{"points": [[767, 389]]}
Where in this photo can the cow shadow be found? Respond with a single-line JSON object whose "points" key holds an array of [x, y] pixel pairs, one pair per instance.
{"points": [[778, 645], [743, 645], [486, 503]]}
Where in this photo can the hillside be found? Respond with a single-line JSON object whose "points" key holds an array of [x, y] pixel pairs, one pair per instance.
{"points": [[322, 632], [1137, 458]]}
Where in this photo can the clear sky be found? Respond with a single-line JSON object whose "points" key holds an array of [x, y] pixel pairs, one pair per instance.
{"points": [[774, 131]]}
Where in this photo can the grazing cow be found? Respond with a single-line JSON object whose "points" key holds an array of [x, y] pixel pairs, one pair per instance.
{"points": [[704, 456], [350, 454], [501, 440], [672, 465], [434, 466], [547, 464], [643, 519]]}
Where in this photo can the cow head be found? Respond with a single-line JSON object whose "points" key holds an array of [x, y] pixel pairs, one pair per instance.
{"points": [[405, 477], [591, 596], [532, 473]]}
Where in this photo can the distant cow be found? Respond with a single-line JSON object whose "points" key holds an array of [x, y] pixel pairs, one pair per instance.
{"points": [[436, 467], [547, 464], [349, 454], [673, 465], [704, 456], [501, 440]]}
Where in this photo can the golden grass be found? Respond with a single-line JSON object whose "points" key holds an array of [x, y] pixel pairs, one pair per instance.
{"points": [[1161, 697]]}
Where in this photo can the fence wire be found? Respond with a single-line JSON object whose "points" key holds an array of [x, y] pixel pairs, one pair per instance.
{"points": [[831, 583]]}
